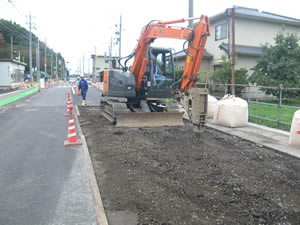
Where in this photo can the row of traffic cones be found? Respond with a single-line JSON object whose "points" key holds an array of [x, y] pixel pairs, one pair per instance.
{"points": [[72, 136]]}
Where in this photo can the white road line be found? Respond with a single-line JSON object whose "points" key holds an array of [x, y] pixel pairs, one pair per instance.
{"points": [[73, 90]]}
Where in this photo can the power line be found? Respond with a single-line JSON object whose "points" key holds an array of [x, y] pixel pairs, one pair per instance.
{"points": [[13, 31], [21, 14]]}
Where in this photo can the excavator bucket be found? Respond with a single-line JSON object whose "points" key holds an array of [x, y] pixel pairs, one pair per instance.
{"points": [[149, 119]]}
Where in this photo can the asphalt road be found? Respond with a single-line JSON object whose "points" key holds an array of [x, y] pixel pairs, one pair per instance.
{"points": [[43, 182]]}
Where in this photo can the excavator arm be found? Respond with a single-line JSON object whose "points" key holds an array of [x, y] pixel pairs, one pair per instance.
{"points": [[196, 38]]}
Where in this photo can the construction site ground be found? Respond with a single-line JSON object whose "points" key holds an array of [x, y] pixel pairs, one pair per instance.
{"points": [[174, 176]]}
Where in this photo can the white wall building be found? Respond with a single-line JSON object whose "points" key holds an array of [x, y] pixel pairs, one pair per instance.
{"points": [[11, 73], [252, 29], [100, 63]]}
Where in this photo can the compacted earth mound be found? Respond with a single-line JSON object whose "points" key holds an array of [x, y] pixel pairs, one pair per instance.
{"points": [[174, 176]]}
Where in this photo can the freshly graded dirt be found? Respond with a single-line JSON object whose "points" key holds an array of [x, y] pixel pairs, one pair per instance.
{"points": [[172, 176]]}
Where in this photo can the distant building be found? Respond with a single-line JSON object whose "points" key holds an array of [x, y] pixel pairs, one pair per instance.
{"points": [[252, 29], [100, 63], [11, 73]]}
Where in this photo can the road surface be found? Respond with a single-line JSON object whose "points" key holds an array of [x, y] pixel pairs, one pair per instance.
{"points": [[43, 182]]}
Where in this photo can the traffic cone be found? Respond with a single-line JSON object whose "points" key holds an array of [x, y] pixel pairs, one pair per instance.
{"points": [[72, 136], [69, 109], [39, 89], [69, 100]]}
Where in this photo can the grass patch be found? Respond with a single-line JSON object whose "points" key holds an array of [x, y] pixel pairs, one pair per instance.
{"points": [[272, 112]]}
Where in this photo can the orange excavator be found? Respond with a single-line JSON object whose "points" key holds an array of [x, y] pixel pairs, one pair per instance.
{"points": [[137, 98]]}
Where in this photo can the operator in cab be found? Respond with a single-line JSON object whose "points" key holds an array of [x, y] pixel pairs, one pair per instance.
{"points": [[83, 87], [158, 77]]}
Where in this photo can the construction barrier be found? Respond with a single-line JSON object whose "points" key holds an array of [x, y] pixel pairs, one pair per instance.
{"points": [[72, 136]]}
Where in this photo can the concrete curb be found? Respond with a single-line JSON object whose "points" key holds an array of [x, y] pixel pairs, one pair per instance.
{"points": [[269, 129], [287, 150], [100, 212]]}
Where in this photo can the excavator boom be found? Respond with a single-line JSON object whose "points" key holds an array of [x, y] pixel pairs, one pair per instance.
{"points": [[196, 38]]}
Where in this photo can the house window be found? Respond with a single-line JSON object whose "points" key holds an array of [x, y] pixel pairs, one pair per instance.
{"points": [[217, 67], [221, 31]]}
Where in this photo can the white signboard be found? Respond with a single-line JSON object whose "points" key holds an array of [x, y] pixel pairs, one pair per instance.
{"points": [[42, 83]]}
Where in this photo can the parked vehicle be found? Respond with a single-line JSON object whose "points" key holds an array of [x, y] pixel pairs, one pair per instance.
{"points": [[26, 77], [89, 80], [74, 78]]}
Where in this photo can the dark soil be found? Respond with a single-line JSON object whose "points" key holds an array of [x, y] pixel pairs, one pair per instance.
{"points": [[174, 176]]}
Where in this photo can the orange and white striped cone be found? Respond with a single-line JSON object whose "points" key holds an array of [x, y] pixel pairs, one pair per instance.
{"points": [[69, 100], [72, 136], [69, 109]]}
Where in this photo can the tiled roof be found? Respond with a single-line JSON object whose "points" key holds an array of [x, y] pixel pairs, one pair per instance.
{"points": [[243, 49], [256, 15], [182, 54]]}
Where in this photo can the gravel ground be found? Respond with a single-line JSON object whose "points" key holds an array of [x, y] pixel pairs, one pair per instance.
{"points": [[173, 176]]}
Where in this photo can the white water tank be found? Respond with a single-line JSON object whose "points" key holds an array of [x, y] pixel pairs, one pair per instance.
{"points": [[211, 106], [231, 112], [295, 130]]}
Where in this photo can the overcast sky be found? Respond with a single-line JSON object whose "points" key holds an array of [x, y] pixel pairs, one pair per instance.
{"points": [[76, 27]]}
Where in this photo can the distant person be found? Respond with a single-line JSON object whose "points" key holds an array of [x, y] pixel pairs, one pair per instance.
{"points": [[83, 86]]}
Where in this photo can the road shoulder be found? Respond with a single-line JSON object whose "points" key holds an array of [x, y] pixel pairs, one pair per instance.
{"points": [[100, 212]]}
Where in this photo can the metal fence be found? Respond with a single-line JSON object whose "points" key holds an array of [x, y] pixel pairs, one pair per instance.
{"points": [[278, 109]]}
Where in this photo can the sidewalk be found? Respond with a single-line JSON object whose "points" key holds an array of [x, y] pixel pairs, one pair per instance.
{"points": [[261, 135], [16, 95]]}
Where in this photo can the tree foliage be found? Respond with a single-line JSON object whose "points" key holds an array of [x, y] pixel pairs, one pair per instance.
{"points": [[20, 36], [279, 64], [224, 75]]}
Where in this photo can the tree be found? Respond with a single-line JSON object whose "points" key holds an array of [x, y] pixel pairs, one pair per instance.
{"points": [[224, 75], [2, 41], [279, 64]]}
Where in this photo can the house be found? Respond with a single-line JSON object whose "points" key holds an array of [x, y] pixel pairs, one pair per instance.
{"points": [[11, 73], [100, 63], [252, 29]]}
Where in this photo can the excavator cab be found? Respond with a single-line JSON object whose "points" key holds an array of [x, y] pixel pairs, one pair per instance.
{"points": [[159, 73]]}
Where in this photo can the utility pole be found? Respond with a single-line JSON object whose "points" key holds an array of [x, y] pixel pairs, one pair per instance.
{"points": [[110, 54], [94, 65], [51, 64], [45, 64], [191, 12], [11, 48], [120, 40], [56, 66], [83, 64], [61, 69], [38, 61], [89, 67], [30, 48], [233, 52]]}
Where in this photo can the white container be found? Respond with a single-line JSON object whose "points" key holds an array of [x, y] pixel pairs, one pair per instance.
{"points": [[295, 130], [231, 112], [211, 106]]}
